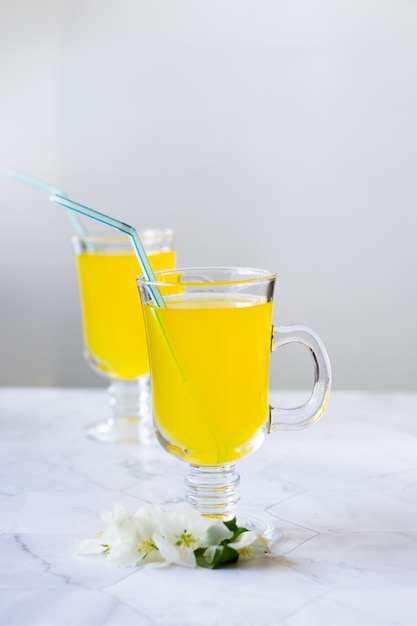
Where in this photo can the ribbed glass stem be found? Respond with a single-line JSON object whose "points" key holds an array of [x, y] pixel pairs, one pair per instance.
{"points": [[130, 399], [213, 490], [131, 411]]}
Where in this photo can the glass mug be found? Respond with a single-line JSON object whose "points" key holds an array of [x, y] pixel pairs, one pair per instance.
{"points": [[209, 350], [113, 327]]}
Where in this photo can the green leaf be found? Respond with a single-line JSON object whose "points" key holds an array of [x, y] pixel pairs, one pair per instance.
{"points": [[224, 555], [236, 530]]}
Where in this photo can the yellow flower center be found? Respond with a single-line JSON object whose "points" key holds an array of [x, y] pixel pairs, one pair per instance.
{"points": [[146, 547], [186, 540]]}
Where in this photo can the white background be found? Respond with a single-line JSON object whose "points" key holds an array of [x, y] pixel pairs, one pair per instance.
{"points": [[269, 133]]}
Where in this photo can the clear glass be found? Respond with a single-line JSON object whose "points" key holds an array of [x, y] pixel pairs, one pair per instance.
{"points": [[113, 327], [209, 350]]}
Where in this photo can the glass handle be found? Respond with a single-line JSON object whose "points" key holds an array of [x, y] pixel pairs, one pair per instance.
{"points": [[308, 413]]}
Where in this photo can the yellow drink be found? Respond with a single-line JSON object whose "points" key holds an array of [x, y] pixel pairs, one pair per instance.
{"points": [[209, 358], [114, 332]]}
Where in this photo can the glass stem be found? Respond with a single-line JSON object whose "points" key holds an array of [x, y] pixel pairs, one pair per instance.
{"points": [[213, 490], [131, 412], [130, 399]]}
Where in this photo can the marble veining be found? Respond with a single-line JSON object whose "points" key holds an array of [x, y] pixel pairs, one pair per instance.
{"points": [[343, 494]]}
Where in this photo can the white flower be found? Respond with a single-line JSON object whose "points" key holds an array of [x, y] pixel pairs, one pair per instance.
{"points": [[127, 540], [108, 538], [155, 538], [250, 545], [132, 553], [179, 534], [88, 546]]}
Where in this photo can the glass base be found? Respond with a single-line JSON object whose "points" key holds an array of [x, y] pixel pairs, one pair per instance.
{"points": [[130, 403], [124, 430], [261, 522]]}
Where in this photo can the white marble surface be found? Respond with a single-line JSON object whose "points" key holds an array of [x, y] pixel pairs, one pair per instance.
{"points": [[343, 493]]}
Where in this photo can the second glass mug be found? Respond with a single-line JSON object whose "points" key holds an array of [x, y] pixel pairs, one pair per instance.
{"points": [[209, 351], [113, 327]]}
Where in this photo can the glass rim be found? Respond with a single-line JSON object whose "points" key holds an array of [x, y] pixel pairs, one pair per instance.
{"points": [[147, 233], [257, 276]]}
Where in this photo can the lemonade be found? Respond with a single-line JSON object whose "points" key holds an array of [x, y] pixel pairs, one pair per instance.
{"points": [[114, 332], [209, 356]]}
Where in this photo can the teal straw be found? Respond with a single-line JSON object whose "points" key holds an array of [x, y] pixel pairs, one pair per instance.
{"points": [[37, 184], [67, 203], [146, 268]]}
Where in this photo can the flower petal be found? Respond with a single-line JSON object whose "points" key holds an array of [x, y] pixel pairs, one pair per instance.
{"points": [[210, 553], [88, 546], [117, 515], [168, 551], [216, 533], [250, 545], [245, 539], [124, 555], [177, 555]]}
